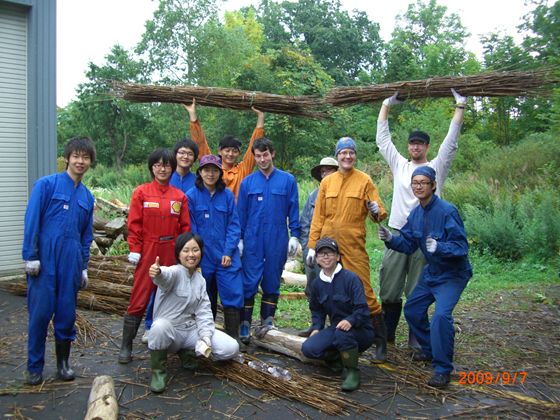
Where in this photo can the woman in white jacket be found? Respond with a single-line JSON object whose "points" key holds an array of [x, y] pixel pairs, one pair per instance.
{"points": [[182, 315]]}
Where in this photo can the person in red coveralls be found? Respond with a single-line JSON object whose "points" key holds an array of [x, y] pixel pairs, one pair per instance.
{"points": [[158, 214]]}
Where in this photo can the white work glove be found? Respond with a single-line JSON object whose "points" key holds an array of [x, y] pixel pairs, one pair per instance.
{"points": [[431, 245], [392, 100], [385, 234], [33, 267], [459, 100], [292, 246], [133, 258], [240, 248], [310, 260], [203, 347], [373, 207], [85, 280]]}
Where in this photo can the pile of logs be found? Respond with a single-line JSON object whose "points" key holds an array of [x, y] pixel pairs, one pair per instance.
{"points": [[106, 232]]}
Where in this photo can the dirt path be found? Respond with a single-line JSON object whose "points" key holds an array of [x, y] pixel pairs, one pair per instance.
{"points": [[509, 333]]}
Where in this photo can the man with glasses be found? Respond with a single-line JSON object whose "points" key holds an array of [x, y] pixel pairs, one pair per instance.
{"points": [[399, 272], [435, 228], [346, 198]]}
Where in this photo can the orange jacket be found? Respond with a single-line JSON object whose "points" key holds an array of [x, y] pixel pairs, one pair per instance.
{"points": [[235, 175]]}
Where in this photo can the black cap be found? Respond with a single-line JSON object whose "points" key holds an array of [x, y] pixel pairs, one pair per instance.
{"points": [[419, 136], [326, 242]]}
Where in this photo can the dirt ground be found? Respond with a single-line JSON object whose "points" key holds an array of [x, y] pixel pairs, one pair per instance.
{"points": [[510, 332]]}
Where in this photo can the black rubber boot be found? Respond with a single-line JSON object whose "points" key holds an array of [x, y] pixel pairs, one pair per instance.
{"points": [[188, 359], [413, 343], [63, 369], [350, 362], [391, 315], [232, 319], [333, 361], [158, 360], [380, 340], [246, 319], [268, 308], [130, 328]]}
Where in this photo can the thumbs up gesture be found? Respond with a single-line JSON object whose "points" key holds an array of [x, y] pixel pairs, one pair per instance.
{"points": [[155, 269]]}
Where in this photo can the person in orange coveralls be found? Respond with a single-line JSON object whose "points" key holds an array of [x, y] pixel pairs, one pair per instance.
{"points": [[158, 214], [229, 149], [345, 200]]}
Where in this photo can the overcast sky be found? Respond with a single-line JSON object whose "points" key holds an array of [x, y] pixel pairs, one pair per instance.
{"points": [[86, 30]]}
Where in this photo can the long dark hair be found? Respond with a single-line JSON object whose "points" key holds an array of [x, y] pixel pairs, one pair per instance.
{"points": [[182, 239]]}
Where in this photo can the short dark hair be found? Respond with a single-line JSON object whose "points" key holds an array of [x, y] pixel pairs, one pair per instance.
{"points": [[182, 239], [80, 144], [199, 183], [229, 141], [166, 157], [262, 145], [187, 144]]}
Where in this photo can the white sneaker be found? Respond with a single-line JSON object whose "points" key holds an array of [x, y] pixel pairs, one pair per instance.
{"points": [[145, 337]]}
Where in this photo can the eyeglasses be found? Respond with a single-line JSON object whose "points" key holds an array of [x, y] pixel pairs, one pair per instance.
{"points": [[326, 254], [185, 153], [347, 153], [417, 184], [159, 166]]}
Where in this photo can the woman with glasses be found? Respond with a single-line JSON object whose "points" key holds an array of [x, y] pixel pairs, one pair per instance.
{"points": [[186, 154], [158, 213], [338, 294]]}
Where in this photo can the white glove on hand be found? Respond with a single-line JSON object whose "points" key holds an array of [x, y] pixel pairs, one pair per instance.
{"points": [[240, 248], [203, 347], [431, 245], [133, 258], [385, 234], [310, 260], [459, 100], [392, 100], [85, 280], [33, 267], [373, 207], [293, 246]]}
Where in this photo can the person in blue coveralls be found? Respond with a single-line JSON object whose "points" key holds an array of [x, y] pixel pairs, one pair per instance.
{"points": [[436, 228], [267, 201], [338, 294], [214, 217], [57, 235], [186, 154]]}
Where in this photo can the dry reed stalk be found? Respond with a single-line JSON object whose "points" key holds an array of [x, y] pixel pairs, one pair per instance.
{"points": [[499, 83], [303, 106]]}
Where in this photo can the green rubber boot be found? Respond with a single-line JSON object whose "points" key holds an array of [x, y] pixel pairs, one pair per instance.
{"points": [[333, 361], [159, 370], [350, 362], [188, 359]]}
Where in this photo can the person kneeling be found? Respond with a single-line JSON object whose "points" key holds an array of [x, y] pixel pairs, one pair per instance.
{"points": [[182, 315], [340, 295]]}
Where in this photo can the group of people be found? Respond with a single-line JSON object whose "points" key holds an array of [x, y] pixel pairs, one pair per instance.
{"points": [[226, 230]]}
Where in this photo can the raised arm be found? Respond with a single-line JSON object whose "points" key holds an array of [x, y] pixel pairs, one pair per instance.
{"points": [[383, 136], [196, 130], [248, 162]]}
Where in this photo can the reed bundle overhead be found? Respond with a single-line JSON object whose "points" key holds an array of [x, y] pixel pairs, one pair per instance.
{"points": [[493, 84], [303, 106]]}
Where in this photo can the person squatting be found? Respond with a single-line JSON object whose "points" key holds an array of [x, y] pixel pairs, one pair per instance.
{"points": [[226, 230]]}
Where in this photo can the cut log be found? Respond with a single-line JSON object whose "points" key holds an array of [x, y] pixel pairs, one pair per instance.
{"points": [[103, 241], [94, 249], [284, 343], [102, 402], [293, 296], [99, 223], [115, 227], [294, 278], [106, 204]]}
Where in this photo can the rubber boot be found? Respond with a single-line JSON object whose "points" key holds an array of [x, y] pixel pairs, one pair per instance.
{"points": [[391, 315], [33, 378], [130, 328], [268, 309], [350, 362], [188, 359], [246, 318], [333, 361], [232, 319], [413, 343], [380, 340], [158, 360], [63, 369]]}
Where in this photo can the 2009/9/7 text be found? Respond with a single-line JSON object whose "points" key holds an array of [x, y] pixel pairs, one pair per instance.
{"points": [[484, 377]]}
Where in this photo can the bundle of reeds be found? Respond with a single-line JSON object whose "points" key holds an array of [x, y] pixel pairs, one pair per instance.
{"points": [[499, 83], [303, 106]]}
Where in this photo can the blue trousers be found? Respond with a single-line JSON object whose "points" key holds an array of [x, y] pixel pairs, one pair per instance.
{"points": [[149, 319], [53, 295], [331, 338], [437, 338], [228, 281]]}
